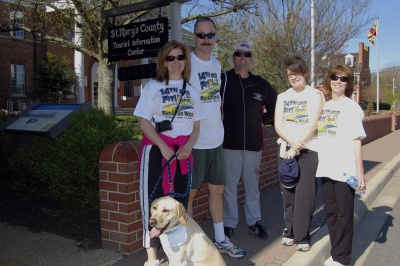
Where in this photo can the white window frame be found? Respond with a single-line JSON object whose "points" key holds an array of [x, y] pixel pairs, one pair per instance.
{"points": [[18, 82], [128, 88], [17, 20]]}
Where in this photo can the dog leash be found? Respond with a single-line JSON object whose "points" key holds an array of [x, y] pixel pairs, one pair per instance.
{"points": [[160, 177]]}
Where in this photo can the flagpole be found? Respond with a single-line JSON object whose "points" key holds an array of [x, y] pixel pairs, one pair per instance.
{"points": [[377, 65], [312, 45]]}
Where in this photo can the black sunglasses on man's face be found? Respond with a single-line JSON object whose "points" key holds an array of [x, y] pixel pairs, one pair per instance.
{"points": [[203, 35]]}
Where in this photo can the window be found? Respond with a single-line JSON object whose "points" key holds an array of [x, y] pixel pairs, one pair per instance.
{"points": [[128, 88], [365, 82], [16, 20], [355, 79], [17, 80]]}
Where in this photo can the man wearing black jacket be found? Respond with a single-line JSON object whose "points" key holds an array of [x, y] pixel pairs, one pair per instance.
{"points": [[248, 103]]}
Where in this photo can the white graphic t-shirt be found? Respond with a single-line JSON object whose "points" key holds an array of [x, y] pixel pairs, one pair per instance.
{"points": [[297, 109], [159, 101], [206, 79], [340, 123]]}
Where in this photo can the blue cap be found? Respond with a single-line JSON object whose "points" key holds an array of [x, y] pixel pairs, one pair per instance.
{"points": [[289, 172]]}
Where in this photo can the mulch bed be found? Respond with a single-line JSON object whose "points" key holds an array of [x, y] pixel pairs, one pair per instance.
{"points": [[38, 216]]}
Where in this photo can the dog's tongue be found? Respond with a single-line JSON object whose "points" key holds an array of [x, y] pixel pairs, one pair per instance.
{"points": [[154, 232]]}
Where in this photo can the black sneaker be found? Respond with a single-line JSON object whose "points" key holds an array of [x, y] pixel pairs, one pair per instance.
{"points": [[259, 230], [229, 231]]}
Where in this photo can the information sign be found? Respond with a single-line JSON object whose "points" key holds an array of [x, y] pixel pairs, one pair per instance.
{"points": [[42, 119], [137, 40]]}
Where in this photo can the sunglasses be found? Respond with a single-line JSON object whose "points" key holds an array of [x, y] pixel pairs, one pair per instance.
{"points": [[202, 35], [342, 78], [171, 58], [240, 54]]}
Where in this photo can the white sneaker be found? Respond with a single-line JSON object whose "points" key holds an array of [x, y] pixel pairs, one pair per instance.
{"points": [[331, 262], [153, 262], [227, 247], [303, 247], [287, 241]]}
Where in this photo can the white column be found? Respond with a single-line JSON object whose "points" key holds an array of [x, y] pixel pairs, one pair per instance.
{"points": [[79, 63], [116, 83]]}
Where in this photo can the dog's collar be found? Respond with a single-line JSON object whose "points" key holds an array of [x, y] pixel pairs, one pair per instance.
{"points": [[174, 236], [174, 228]]}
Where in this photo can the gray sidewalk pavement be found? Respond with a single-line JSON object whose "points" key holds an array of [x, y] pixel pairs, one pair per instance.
{"points": [[20, 247]]}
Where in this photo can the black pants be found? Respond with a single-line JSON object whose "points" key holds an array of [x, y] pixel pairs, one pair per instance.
{"points": [[298, 202], [339, 205], [151, 187]]}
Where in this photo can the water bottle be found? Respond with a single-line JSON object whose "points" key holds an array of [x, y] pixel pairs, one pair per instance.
{"points": [[353, 182]]}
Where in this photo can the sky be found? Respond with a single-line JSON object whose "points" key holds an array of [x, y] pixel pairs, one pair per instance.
{"points": [[388, 34]]}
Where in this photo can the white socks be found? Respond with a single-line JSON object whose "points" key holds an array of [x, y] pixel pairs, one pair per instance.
{"points": [[219, 232]]}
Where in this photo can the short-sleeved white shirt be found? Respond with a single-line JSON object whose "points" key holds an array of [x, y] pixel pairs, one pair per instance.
{"points": [[297, 109], [339, 124], [159, 101], [206, 79]]}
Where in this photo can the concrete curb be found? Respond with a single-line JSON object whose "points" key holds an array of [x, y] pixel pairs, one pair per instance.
{"points": [[320, 250]]}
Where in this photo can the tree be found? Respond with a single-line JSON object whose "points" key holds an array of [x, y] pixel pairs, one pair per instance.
{"points": [[281, 28], [86, 16], [389, 91], [55, 77]]}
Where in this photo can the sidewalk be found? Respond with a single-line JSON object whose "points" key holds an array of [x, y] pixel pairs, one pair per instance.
{"points": [[20, 247], [381, 160]]}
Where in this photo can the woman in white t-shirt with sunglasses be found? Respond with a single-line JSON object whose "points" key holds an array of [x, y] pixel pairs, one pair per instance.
{"points": [[340, 130], [169, 112]]}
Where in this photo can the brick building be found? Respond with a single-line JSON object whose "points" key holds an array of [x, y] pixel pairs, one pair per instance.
{"points": [[359, 63], [21, 53]]}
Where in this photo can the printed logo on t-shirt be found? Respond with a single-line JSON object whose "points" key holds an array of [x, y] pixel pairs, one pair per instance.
{"points": [[170, 100], [209, 87], [295, 112], [328, 120]]}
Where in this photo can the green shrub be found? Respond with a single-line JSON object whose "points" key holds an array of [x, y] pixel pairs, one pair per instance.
{"points": [[7, 148], [370, 107], [130, 121], [65, 170]]}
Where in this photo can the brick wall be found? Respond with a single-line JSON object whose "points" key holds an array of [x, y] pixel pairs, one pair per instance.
{"points": [[396, 121], [120, 217], [376, 126], [121, 225]]}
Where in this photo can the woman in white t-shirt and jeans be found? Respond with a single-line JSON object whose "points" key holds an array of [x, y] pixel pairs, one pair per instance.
{"points": [[340, 130], [170, 104], [296, 118]]}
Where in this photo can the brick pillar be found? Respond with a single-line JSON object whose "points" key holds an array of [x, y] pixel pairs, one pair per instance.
{"points": [[395, 121], [120, 216]]}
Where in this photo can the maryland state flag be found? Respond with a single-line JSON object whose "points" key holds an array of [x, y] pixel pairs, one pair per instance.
{"points": [[372, 32]]}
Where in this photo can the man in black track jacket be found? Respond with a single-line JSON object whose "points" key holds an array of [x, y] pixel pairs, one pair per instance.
{"points": [[248, 103]]}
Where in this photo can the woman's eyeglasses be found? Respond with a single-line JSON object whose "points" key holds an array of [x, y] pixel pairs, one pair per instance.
{"points": [[171, 58], [202, 35], [342, 78], [240, 54]]}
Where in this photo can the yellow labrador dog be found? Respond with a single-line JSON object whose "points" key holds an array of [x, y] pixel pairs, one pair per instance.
{"points": [[183, 241]]}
